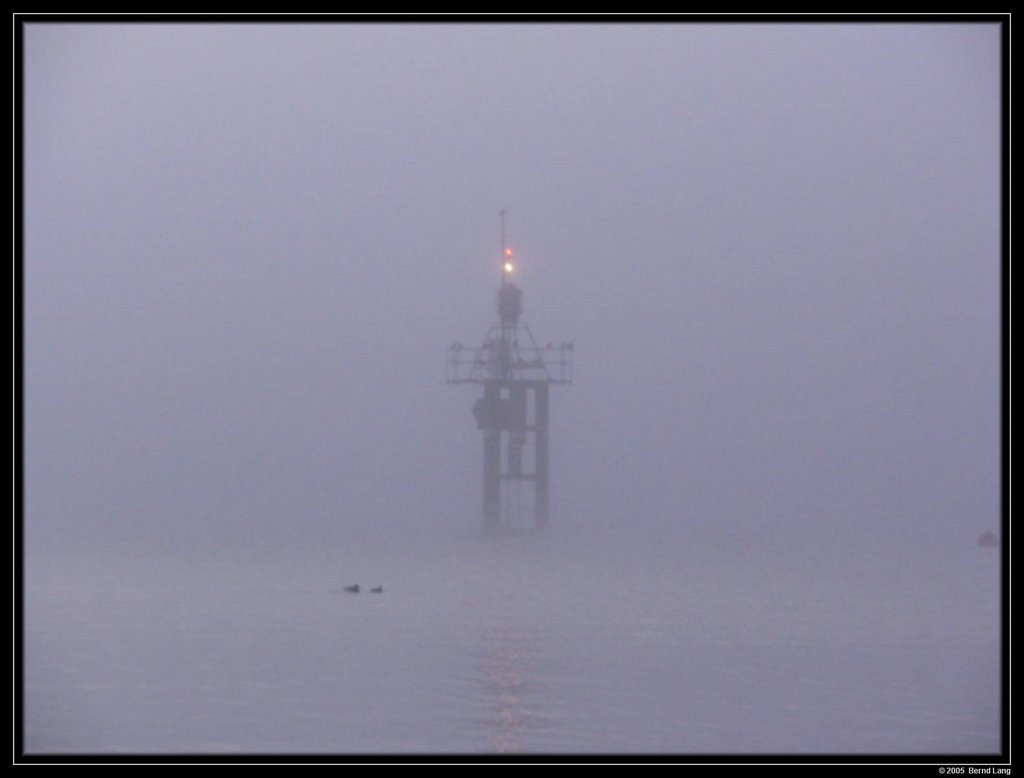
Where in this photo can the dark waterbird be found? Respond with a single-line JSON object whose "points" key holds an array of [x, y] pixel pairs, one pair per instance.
{"points": [[354, 588], [377, 589]]}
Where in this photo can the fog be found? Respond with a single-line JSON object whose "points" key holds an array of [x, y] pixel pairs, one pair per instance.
{"points": [[775, 247]]}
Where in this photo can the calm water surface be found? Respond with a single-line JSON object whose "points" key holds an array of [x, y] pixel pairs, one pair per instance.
{"points": [[517, 643]]}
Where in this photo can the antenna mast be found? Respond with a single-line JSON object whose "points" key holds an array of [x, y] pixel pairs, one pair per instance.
{"points": [[501, 217]]}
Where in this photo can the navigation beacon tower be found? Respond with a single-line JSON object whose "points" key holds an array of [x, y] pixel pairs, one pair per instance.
{"points": [[513, 412]]}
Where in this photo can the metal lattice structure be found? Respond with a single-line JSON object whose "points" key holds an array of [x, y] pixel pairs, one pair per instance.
{"points": [[514, 411], [526, 360]]}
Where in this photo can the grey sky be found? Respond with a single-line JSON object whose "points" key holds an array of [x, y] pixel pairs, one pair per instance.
{"points": [[776, 248]]}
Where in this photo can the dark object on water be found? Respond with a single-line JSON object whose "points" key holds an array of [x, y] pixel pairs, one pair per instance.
{"points": [[377, 589], [354, 588], [988, 539]]}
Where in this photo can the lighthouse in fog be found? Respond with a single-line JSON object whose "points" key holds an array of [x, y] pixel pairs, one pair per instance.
{"points": [[513, 411]]}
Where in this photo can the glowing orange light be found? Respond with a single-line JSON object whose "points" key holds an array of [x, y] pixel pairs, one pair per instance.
{"points": [[508, 252]]}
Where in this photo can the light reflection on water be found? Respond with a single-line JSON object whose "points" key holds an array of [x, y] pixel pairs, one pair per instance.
{"points": [[509, 647], [515, 690], [503, 670]]}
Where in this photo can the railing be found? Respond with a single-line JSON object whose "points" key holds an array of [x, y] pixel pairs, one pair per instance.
{"points": [[521, 360]]}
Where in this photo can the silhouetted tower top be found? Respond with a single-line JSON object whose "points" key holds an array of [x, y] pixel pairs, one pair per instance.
{"points": [[509, 352]]}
